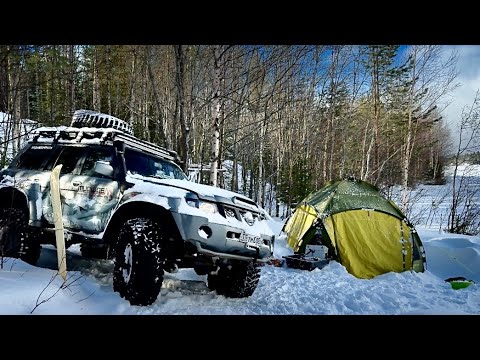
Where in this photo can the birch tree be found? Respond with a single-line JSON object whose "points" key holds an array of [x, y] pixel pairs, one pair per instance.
{"points": [[464, 213], [430, 78], [214, 159]]}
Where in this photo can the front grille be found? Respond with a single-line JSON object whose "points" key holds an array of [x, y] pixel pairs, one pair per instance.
{"points": [[230, 213], [239, 214], [249, 217]]}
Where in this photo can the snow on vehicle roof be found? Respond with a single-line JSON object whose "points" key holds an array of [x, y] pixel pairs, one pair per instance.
{"points": [[93, 135], [49, 134]]}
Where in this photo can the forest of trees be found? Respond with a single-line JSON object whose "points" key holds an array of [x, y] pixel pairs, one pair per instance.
{"points": [[289, 118]]}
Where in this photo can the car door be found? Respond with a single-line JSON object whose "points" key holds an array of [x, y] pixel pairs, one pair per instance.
{"points": [[96, 195], [70, 158]]}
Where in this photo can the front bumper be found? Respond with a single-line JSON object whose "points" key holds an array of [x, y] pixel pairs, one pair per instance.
{"points": [[218, 240], [229, 256]]}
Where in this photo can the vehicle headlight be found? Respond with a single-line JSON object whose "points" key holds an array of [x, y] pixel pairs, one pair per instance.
{"points": [[208, 207], [194, 201]]}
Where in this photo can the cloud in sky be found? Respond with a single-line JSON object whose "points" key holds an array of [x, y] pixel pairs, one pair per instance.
{"points": [[468, 66]]}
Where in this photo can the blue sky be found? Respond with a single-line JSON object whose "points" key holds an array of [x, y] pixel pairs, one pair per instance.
{"points": [[468, 67]]}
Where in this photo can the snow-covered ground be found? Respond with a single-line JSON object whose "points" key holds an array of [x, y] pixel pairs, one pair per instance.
{"points": [[281, 290], [331, 290]]}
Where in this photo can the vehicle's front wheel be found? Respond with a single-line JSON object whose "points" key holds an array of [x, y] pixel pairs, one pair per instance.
{"points": [[16, 240], [239, 279], [138, 273]]}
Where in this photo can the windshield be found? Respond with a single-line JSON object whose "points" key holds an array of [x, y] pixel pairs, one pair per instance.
{"points": [[34, 158], [147, 165]]}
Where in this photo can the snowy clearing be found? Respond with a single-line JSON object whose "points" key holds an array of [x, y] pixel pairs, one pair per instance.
{"points": [[281, 291]]}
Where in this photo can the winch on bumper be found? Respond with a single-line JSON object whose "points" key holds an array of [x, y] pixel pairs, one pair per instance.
{"points": [[219, 240]]}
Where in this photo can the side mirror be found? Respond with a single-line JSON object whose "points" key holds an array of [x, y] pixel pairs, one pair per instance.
{"points": [[103, 168]]}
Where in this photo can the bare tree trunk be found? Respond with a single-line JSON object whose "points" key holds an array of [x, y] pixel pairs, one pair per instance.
{"points": [[216, 118], [132, 97], [180, 114], [376, 110], [365, 173], [17, 119], [329, 135], [277, 183], [325, 152], [235, 164], [14, 82], [4, 50], [202, 152], [221, 178], [408, 143], [309, 103], [96, 82], [160, 129], [109, 80], [260, 162], [144, 102], [71, 79]]}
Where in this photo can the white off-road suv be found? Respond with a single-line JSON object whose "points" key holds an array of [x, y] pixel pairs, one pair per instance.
{"points": [[128, 200]]}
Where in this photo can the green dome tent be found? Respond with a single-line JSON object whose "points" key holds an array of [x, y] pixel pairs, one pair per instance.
{"points": [[362, 230]]}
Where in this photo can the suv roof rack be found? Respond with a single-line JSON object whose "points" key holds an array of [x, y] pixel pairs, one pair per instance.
{"points": [[93, 127], [90, 136]]}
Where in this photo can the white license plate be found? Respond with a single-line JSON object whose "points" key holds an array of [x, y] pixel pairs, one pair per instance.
{"points": [[251, 239]]}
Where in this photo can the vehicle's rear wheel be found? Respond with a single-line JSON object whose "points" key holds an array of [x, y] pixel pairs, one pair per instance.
{"points": [[16, 240], [138, 273], [238, 280]]}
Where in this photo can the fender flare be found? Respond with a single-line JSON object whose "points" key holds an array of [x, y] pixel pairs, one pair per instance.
{"points": [[11, 197], [137, 208]]}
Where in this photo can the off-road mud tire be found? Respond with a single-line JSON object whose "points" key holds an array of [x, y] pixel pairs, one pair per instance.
{"points": [[16, 239], [138, 272], [238, 279]]}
